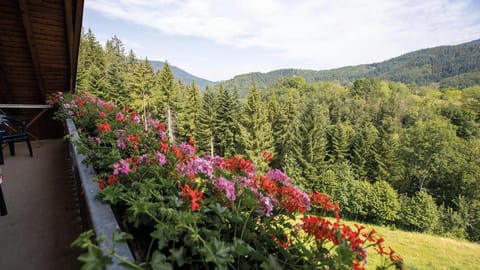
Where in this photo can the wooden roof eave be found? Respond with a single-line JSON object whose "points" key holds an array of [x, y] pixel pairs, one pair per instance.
{"points": [[74, 32], [31, 44]]}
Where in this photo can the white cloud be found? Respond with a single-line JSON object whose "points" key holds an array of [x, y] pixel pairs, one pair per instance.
{"points": [[319, 33]]}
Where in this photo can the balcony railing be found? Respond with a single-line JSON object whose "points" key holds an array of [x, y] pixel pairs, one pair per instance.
{"points": [[95, 213]]}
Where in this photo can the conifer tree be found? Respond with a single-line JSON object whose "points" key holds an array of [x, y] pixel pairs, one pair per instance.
{"points": [[226, 122], [141, 85], [256, 130], [207, 121], [338, 142], [116, 66], [96, 82], [165, 98], [311, 150], [189, 114], [364, 153], [90, 54]]}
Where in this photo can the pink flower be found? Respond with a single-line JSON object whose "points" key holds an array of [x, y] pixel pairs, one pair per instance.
{"points": [[227, 186], [96, 139], [279, 176], [160, 158], [121, 144], [187, 149], [120, 117], [121, 167]]}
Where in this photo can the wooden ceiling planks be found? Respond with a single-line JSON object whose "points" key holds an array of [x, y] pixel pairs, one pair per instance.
{"points": [[39, 41], [25, 11]]}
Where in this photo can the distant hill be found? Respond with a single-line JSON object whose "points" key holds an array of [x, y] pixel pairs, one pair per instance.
{"points": [[181, 74], [445, 66]]}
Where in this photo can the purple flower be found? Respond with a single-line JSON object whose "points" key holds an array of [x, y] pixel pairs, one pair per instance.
{"points": [[121, 144], [120, 117], [160, 158], [187, 149], [120, 133], [96, 139], [266, 206], [194, 166], [227, 186], [142, 159], [278, 176]]}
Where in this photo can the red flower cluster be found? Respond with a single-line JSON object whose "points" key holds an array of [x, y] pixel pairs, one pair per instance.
{"points": [[135, 139], [325, 202], [194, 195], [269, 185], [239, 163], [292, 200], [284, 244], [163, 147], [323, 229], [104, 127]]}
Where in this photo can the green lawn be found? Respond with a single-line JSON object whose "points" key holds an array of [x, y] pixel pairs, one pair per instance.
{"points": [[423, 251]]}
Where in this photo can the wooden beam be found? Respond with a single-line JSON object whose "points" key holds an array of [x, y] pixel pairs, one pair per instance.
{"points": [[69, 30], [27, 25], [3, 86], [76, 42]]}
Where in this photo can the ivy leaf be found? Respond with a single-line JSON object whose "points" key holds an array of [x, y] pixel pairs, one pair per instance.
{"points": [[159, 262], [94, 260]]}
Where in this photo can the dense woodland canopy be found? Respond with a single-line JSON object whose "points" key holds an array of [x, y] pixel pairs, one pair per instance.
{"points": [[390, 153]]}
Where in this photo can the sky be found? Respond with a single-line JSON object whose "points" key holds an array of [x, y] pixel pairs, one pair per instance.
{"points": [[218, 39]]}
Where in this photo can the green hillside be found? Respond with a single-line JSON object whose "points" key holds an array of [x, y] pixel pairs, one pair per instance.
{"points": [[424, 251], [445, 66]]}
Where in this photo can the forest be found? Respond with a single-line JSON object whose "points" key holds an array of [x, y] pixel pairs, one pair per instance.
{"points": [[390, 153]]}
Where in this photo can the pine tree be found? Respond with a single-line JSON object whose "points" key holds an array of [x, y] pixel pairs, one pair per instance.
{"points": [[165, 98], [311, 150], [364, 153], [256, 130], [115, 68], [189, 114], [338, 142], [141, 85], [207, 121], [96, 82], [226, 122], [90, 55]]}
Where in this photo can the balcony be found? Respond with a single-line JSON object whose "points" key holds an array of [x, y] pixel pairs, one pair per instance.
{"points": [[43, 216]]}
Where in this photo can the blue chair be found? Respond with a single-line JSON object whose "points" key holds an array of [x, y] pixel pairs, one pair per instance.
{"points": [[11, 131]]}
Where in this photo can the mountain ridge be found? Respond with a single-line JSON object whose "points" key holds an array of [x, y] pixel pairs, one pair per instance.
{"points": [[182, 75], [455, 66]]}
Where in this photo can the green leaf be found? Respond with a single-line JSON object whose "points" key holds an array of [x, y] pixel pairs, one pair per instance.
{"points": [[94, 260], [121, 237], [241, 247], [271, 264], [111, 194], [178, 254], [83, 240], [159, 262]]}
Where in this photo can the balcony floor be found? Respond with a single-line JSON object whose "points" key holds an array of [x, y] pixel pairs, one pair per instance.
{"points": [[42, 217]]}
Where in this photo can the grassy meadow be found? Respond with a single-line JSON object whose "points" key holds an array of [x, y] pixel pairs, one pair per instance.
{"points": [[423, 251]]}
